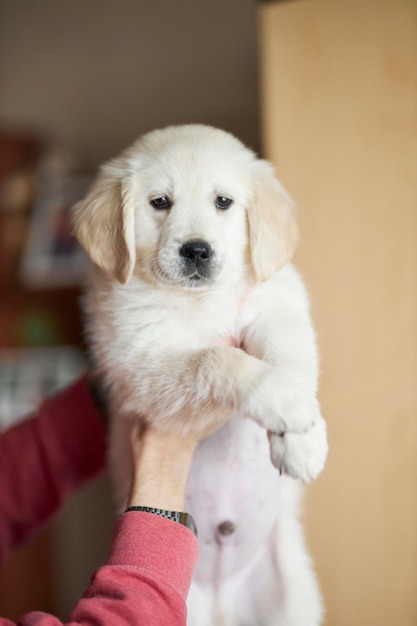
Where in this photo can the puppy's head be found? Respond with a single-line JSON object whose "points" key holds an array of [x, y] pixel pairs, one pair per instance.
{"points": [[189, 206]]}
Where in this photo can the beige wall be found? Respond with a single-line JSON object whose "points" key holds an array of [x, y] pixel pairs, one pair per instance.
{"points": [[339, 92], [95, 74]]}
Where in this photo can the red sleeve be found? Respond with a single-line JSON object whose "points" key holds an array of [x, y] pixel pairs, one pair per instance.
{"points": [[144, 582], [44, 459]]}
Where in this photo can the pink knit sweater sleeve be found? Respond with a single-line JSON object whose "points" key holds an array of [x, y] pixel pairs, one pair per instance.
{"points": [[144, 582], [44, 459], [147, 575]]}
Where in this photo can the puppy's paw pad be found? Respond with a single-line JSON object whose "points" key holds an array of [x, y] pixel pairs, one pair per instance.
{"points": [[300, 455]]}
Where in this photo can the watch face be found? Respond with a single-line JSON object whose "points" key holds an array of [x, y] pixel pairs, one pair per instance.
{"points": [[188, 521], [192, 525]]}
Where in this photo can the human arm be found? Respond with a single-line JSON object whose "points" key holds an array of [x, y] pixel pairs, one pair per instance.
{"points": [[146, 577], [151, 561], [44, 459]]}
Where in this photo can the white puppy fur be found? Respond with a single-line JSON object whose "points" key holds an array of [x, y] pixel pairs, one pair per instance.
{"points": [[197, 321]]}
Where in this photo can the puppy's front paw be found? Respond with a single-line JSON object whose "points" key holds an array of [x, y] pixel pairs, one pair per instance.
{"points": [[300, 455], [282, 406]]}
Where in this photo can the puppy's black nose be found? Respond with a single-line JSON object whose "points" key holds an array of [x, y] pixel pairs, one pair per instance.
{"points": [[196, 251]]}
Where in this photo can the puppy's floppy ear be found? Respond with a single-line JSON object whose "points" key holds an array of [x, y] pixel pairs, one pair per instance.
{"points": [[104, 224], [273, 230]]}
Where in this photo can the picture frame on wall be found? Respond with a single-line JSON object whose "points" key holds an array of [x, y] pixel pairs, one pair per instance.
{"points": [[52, 257], [28, 375]]}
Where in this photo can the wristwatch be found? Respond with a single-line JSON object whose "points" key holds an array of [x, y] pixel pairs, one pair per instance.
{"points": [[176, 516]]}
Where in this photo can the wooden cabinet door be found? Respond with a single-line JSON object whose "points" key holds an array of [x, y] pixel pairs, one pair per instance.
{"points": [[339, 106]]}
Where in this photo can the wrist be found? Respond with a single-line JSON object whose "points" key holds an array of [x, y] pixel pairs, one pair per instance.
{"points": [[176, 516], [161, 467]]}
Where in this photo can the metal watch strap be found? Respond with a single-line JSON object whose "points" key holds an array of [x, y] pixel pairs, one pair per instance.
{"points": [[176, 516]]}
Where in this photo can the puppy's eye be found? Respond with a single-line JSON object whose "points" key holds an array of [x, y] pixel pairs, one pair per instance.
{"points": [[162, 203], [223, 203]]}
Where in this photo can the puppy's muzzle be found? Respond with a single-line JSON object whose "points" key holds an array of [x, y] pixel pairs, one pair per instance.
{"points": [[196, 256]]}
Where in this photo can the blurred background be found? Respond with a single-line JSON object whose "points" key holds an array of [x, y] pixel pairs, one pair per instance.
{"points": [[328, 91]]}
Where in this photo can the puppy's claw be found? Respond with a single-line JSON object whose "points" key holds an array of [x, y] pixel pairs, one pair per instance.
{"points": [[301, 455]]}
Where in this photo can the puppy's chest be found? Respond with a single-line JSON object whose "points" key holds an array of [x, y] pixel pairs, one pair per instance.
{"points": [[184, 324], [213, 323]]}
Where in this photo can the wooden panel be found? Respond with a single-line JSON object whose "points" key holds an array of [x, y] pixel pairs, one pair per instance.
{"points": [[339, 106]]}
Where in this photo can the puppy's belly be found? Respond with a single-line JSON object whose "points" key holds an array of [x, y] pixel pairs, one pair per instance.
{"points": [[234, 494]]}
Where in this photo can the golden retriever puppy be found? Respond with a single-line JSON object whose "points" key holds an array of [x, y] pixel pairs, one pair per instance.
{"points": [[198, 322]]}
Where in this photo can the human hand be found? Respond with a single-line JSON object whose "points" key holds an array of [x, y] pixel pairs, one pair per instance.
{"points": [[161, 464]]}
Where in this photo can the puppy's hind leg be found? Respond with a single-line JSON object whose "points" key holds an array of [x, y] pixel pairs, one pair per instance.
{"points": [[302, 603], [200, 605]]}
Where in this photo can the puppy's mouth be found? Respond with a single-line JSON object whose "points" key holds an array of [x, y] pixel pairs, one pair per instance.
{"points": [[197, 279]]}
